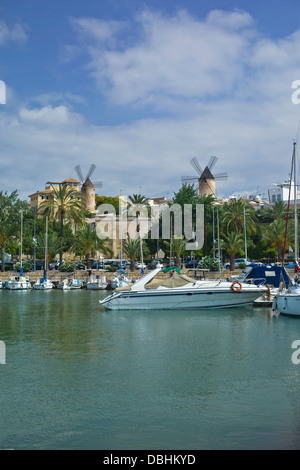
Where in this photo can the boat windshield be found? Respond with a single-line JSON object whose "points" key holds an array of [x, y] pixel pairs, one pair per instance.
{"points": [[175, 280]]}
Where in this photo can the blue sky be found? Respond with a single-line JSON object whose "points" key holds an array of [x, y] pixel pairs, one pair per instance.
{"points": [[139, 88]]}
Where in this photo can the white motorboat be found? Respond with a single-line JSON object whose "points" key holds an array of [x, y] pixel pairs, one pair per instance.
{"points": [[68, 284], [18, 283], [43, 284], [181, 292], [97, 282]]}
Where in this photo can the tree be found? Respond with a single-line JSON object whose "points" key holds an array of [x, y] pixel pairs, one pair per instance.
{"points": [[233, 243], [10, 207], [67, 206], [87, 242], [138, 199], [233, 216], [132, 249], [277, 211], [176, 247], [114, 201], [275, 236]]}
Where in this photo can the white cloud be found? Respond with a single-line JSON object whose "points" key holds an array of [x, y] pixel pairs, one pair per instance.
{"points": [[15, 33], [176, 57]]}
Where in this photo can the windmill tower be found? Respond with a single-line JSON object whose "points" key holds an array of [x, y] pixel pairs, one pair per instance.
{"points": [[205, 178], [88, 188]]}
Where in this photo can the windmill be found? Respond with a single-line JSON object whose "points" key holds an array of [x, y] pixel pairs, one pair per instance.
{"points": [[206, 179], [87, 187]]}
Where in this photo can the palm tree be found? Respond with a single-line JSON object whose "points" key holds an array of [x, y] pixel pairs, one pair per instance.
{"points": [[138, 199], [53, 246], [233, 243], [87, 242], [275, 236], [65, 205], [176, 246], [132, 250], [277, 211], [233, 216]]}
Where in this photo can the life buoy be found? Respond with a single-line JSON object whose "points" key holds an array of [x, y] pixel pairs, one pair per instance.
{"points": [[236, 286]]}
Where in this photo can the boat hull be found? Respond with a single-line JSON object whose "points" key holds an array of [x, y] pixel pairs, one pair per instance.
{"points": [[96, 286], [288, 305], [184, 299], [18, 284]]}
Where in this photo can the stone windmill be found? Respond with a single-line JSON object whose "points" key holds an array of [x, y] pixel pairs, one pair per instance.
{"points": [[88, 188], [205, 178]]}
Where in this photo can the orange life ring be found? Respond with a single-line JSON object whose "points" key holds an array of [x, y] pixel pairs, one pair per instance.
{"points": [[236, 286]]}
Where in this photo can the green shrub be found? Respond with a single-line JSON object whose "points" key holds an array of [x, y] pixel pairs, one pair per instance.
{"points": [[66, 268], [242, 265], [26, 265], [208, 262], [111, 269]]}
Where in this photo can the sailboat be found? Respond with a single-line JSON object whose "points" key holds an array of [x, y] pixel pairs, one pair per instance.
{"points": [[70, 283], [44, 283], [97, 282], [287, 301], [19, 282]]}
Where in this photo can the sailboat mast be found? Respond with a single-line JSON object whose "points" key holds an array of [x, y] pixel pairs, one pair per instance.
{"points": [[295, 205], [288, 207], [46, 249], [21, 248]]}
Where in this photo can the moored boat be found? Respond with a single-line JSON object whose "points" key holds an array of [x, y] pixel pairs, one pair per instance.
{"points": [[181, 292], [97, 282], [68, 284], [43, 284], [18, 283]]}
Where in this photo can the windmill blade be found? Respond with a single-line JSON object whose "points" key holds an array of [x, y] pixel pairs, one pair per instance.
{"points": [[98, 184], [212, 162], [196, 166], [79, 173], [221, 176], [189, 178], [91, 170]]}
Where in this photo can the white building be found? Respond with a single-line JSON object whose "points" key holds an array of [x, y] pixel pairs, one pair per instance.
{"points": [[280, 192]]}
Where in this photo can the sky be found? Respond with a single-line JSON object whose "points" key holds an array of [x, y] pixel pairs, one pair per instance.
{"points": [[139, 88]]}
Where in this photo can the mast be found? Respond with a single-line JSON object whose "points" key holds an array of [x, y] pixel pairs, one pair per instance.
{"points": [[46, 249], [288, 208], [295, 205], [219, 255], [246, 251], [21, 248]]}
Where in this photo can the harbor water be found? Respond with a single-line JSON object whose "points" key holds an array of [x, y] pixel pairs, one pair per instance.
{"points": [[77, 376]]}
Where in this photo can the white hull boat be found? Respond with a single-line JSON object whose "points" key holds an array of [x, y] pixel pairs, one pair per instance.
{"points": [[18, 283], [287, 302], [43, 284], [97, 282], [181, 292], [68, 284]]}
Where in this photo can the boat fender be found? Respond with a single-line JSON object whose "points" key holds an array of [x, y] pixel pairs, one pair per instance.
{"points": [[236, 286], [281, 287]]}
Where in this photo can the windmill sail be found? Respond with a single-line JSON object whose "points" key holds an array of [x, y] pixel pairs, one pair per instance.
{"points": [[206, 179]]}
